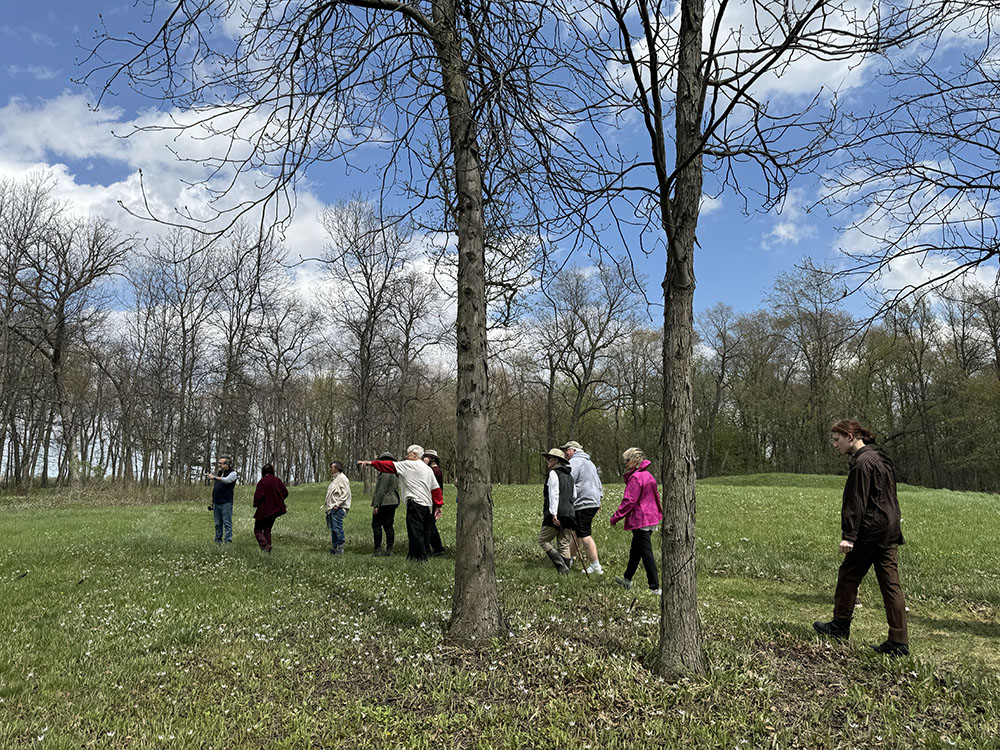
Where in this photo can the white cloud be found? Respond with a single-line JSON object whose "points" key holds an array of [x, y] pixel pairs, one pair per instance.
{"points": [[747, 30], [905, 236], [38, 38], [792, 226], [38, 72], [67, 129], [710, 204]]}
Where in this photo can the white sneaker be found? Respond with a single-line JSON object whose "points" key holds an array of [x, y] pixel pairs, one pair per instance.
{"points": [[655, 592], [594, 569]]}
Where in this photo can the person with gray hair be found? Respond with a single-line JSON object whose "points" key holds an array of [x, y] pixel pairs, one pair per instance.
{"points": [[338, 502], [423, 497], [589, 493]]}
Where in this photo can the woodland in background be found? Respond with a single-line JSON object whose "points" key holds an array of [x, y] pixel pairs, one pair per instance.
{"points": [[131, 360]]}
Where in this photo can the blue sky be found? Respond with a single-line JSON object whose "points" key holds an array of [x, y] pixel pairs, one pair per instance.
{"points": [[45, 120]]}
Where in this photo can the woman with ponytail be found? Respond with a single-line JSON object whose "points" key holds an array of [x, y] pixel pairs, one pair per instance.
{"points": [[870, 536]]}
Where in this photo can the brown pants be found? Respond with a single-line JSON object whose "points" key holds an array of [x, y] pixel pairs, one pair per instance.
{"points": [[852, 571]]}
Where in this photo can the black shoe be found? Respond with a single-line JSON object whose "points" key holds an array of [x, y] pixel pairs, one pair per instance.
{"points": [[439, 552], [892, 648], [378, 553], [833, 629], [388, 552]]}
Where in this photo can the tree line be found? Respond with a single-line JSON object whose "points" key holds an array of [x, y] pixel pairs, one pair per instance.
{"points": [[138, 362]]}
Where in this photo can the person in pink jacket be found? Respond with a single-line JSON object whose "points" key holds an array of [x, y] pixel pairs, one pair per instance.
{"points": [[642, 511]]}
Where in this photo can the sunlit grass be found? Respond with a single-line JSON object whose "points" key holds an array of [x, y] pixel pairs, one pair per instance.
{"points": [[127, 627]]}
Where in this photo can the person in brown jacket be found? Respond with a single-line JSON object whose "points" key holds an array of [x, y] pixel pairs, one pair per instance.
{"points": [[870, 536], [269, 500]]}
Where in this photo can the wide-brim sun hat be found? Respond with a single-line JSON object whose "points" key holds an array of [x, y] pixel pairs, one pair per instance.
{"points": [[556, 453], [432, 454]]}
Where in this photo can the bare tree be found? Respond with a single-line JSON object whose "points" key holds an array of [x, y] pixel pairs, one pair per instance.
{"points": [[916, 182], [287, 345], [705, 78], [364, 257], [311, 82], [809, 315], [412, 330], [719, 334], [63, 269]]}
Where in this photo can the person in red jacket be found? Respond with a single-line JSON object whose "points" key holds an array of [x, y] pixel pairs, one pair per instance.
{"points": [[423, 497], [269, 500]]}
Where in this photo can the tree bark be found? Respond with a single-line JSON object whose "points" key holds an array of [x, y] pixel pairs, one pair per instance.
{"points": [[680, 647], [476, 616]]}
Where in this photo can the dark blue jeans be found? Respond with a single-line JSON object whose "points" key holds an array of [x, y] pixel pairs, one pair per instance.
{"points": [[335, 522], [223, 522]]}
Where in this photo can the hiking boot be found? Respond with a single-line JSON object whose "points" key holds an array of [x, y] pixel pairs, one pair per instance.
{"points": [[625, 583], [378, 552], [557, 560], [892, 648], [833, 629], [568, 562]]}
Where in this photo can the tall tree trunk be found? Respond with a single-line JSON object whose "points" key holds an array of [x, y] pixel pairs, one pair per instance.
{"points": [[680, 648], [475, 615], [48, 444]]}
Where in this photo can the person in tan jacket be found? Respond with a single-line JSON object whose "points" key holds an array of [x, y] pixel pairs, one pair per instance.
{"points": [[338, 502]]}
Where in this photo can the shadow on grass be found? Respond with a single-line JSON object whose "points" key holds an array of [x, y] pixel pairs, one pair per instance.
{"points": [[970, 627], [808, 598]]}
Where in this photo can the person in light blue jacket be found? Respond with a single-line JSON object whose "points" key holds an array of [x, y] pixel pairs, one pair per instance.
{"points": [[589, 493]]}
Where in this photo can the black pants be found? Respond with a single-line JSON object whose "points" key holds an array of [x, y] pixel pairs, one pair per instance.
{"points": [[382, 519], [642, 549], [433, 539], [418, 529]]}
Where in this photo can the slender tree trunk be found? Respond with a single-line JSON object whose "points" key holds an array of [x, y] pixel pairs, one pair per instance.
{"points": [[48, 444], [680, 648], [550, 407], [475, 615]]}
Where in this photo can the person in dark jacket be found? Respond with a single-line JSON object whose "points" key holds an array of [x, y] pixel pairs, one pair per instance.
{"points": [[870, 536], [434, 546], [558, 514], [384, 504], [269, 500], [224, 482]]}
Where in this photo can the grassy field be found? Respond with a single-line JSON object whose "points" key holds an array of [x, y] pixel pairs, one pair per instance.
{"points": [[124, 626]]}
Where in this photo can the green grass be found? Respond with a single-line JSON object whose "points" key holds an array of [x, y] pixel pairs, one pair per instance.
{"points": [[125, 626]]}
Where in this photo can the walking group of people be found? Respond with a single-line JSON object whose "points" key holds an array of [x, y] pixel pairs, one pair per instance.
{"points": [[572, 494]]}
